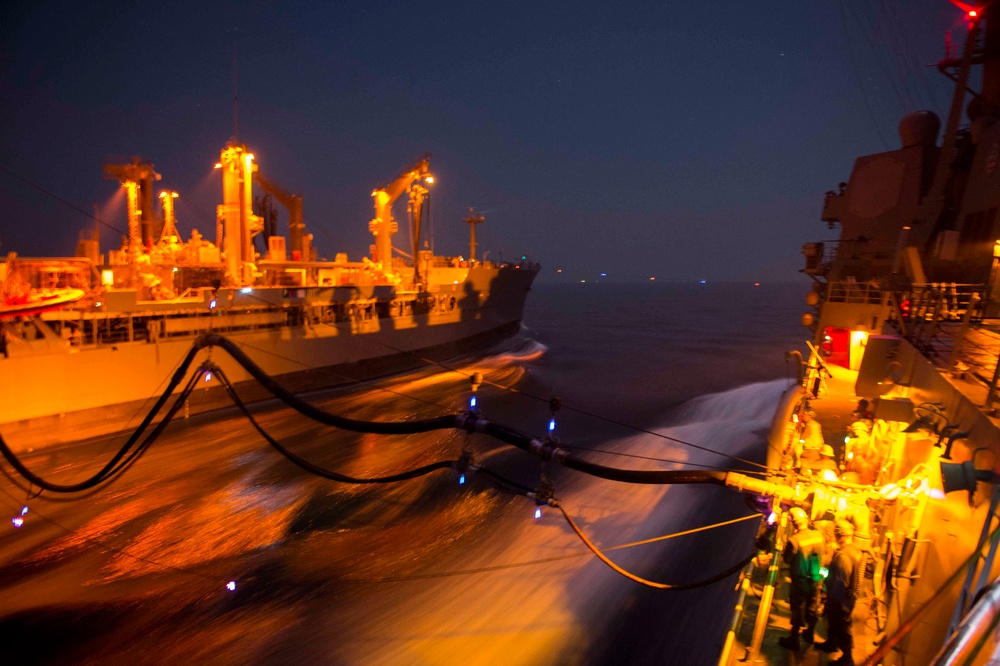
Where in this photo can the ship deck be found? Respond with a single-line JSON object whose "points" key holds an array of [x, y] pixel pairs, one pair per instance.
{"points": [[866, 634], [834, 408], [974, 368], [980, 351], [968, 360]]}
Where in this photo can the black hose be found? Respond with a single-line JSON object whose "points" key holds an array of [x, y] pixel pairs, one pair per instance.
{"points": [[111, 466], [550, 451], [306, 409], [546, 449], [315, 469]]}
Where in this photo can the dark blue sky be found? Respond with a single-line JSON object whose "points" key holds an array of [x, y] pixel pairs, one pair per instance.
{"points": [[675, 140]]}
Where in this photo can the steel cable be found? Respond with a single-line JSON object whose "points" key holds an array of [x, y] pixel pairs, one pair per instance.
{"points": [[649, 583]]}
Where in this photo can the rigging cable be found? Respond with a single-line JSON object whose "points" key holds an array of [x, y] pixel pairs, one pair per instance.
{"points": [[544, 496], [61, 200], [857, 79], [663, 460], [649, 583], [544, 560], [890, 39]]}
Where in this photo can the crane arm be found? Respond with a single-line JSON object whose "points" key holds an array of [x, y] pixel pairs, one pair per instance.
{"points": [[386, 196], [272, 188], [293, 204], [383, 226]]}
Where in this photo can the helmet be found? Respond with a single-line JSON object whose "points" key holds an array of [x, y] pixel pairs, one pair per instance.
{"points": [[799, 517], [827, 450], [844, 528]]}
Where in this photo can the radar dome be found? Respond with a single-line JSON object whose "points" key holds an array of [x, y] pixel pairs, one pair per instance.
{"points": [[919, 128]]}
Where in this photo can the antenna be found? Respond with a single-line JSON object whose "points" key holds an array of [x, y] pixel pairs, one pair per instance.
{"points": [[236, 93]]}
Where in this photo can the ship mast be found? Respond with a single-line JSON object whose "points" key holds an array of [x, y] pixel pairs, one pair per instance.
{"points": [[472, 220], [236, 224], [935, 205]]}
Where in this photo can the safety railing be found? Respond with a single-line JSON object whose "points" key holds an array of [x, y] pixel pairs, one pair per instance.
{"points": [[850, 291]]}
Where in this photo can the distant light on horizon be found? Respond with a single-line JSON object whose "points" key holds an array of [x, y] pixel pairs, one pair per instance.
{"points": [[756, 284], [702, 281], [652, 278], [559, 271], [604, 275]]}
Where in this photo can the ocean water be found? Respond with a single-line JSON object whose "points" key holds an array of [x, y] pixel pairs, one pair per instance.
{"points": [[639, 350], [429, 571]]}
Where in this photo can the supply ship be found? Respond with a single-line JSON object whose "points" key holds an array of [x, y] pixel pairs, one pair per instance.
{"points": [[904, 314], [86, 341]]}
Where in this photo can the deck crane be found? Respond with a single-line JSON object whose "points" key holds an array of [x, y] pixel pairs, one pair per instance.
{"points": [[383, 226], [137, 179], [293, 204]]}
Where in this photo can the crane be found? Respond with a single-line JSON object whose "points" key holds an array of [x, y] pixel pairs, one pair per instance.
{"points": [[383, 226], [293, 204]]}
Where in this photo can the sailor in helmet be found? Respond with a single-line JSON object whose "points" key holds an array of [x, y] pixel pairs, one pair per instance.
{"points": [[842, 585], [826, 467], [805, 554], [811, 436]]}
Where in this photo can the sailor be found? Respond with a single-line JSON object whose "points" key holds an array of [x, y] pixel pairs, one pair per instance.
{"points": [[804, 554], [811, 436], [826, 466], [842, 585], [861, 455]]}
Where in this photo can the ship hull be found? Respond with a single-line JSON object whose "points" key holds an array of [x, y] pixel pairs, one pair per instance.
{"points": [[73, 393]]}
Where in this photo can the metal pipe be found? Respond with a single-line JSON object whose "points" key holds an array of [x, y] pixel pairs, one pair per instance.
{"points": [[764, 609], [734, 626]]}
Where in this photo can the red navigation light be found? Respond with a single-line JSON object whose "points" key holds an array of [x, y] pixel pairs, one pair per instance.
{"points": [[969, 9]]}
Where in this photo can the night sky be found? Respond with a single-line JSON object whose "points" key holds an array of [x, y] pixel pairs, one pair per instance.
{"points": [[678, 140]]}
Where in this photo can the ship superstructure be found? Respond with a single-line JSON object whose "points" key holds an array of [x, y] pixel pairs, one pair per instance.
{"points": [[126, 319]]}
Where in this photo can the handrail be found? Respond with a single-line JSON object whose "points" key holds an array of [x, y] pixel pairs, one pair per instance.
{"points": [[978, 623]]}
